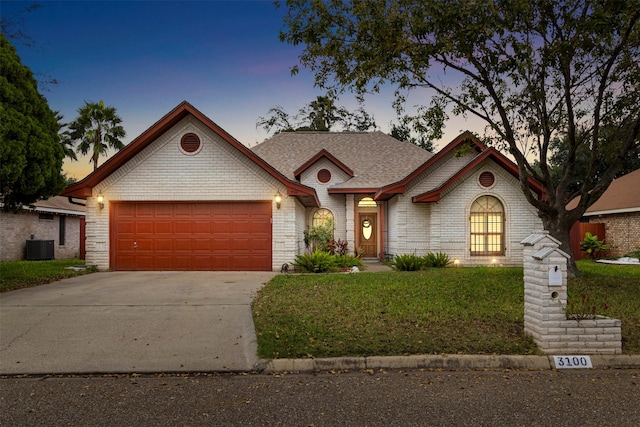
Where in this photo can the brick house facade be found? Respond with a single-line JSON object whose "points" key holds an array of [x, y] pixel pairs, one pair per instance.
{"points": [[187, 195], [54, 219], [619, 210]]}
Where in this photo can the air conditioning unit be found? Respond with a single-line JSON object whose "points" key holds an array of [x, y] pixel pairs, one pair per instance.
{"points": [[38, 250]]}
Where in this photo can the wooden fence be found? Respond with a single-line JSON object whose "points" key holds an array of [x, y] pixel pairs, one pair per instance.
{"points": [[578, 231]]}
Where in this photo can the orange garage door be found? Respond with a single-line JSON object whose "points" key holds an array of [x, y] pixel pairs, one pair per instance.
{"points": [[190, 236]]}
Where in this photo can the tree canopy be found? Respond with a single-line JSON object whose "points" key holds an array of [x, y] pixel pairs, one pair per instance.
{"points": [[532, 70], [96, 129], [322, 114], [31, 155]]}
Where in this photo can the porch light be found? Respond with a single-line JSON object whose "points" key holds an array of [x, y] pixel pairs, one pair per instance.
{"points": [[278, 199], [100, 200]]}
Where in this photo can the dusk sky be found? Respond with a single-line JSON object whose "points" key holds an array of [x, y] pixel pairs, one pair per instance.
{"points": [[145, 57]]}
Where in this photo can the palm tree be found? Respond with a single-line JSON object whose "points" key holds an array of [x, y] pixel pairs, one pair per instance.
{"points": [[97, 128]]}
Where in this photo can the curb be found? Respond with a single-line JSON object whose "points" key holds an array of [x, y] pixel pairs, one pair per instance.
{"points": [[451, 362]]}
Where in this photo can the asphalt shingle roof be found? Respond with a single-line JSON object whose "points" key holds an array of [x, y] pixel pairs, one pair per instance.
{"points": [[622, 193], [375, 158]]}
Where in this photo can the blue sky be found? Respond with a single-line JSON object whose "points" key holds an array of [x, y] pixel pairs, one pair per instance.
{"points": [[145, 57]]}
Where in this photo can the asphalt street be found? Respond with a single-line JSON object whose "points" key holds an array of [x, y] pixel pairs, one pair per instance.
{"points": [[600, 397]]}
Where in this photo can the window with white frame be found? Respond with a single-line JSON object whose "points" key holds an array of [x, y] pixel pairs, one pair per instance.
{"points": [[487, 226]]}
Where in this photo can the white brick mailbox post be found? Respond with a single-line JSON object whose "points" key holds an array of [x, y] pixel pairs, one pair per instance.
{"points": [[545, 298]]}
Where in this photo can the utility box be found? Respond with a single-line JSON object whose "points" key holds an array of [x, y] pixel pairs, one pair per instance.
{"points": [[38, 250]]}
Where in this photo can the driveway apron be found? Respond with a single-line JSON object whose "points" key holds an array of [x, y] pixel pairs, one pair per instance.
{"points": [[123, 322]]}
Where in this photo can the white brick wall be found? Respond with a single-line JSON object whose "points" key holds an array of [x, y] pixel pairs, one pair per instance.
{"points": [[217, 172], [544, 317], [335, 203], [444, 226]]}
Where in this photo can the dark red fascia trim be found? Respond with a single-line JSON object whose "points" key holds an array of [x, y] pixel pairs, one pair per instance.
{"points": [[385, 193], [352, 190], [504, 162], [322, 153]]}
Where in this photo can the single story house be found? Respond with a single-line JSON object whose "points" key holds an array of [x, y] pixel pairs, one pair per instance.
{"points": [[186, 195], [618, 213], [52, 228]]}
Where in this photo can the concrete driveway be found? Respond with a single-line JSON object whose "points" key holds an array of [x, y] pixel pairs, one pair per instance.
{"points": [[132, 322]]}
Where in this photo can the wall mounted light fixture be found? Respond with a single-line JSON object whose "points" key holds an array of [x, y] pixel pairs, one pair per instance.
{"points": [[278, 199], [100, 200]]}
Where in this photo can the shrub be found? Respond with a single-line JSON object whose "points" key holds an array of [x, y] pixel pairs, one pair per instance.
{"points": [[592, 246], [634, 254], [408, 262], [439, 260], [315, 262], [338, 247], [318, 238], [347, 261]]}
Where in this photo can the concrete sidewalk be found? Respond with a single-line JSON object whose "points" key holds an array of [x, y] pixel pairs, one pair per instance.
{"points": [[132, 322]]}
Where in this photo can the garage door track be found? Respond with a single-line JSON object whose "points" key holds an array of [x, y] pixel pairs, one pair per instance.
{"points": [[124, 322]]}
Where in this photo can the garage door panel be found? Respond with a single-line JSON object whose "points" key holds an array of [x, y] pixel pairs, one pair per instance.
{"points": [[164, 245], [182, 227], [145, 227], [200, 226], [203, 244], [191, 236], [163, 227], [182, 244]]}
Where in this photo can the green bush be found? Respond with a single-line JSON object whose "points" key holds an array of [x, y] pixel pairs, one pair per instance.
{"points": [[347, 261], [408, 262], [634, 254], [320, 237], [592, 246], [439, 260], [315, 262]]}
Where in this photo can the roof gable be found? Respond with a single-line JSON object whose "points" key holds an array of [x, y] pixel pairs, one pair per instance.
{"points": [[399, 187], [83, 189], [490, 153], [320, 155]]}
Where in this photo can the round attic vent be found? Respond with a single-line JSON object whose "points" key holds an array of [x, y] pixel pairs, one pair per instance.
{"points": [[324, 176], [190, 143], [486, 179]]}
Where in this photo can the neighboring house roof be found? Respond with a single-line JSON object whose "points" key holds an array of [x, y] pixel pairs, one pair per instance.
{"points": [[622, 196], [83, 189], [374, 158], [56, 205], [60, 205]]}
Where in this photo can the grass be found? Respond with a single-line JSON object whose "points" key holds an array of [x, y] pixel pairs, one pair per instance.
{"points": [[453, 310], [619, 286], [24, 274]]}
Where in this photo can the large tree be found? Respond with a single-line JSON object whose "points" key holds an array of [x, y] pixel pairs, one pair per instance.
{"points": [[30, 151], [533, 70], [96, 130], [322, 114]]}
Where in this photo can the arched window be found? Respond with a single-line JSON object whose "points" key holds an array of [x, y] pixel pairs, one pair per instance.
{"points": [[322, 217], [487, 226]]}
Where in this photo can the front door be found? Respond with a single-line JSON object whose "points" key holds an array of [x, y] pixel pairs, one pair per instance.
{"points": [[368, 235]]}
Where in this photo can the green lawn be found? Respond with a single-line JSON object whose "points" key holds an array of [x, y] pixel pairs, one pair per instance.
{"points": [[23, 274], [453, 310]]}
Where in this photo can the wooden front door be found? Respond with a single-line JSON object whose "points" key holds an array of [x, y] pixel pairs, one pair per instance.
{"points": [[367, 224]]}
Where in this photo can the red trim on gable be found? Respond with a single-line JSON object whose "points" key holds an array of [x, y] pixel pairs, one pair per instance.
{"points": [[504, 162], [385, 193], [322, 153], [82, 189], [352, 190]]}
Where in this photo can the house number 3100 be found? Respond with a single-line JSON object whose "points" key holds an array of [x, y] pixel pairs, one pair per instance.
{"points": [[567, 362]]}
